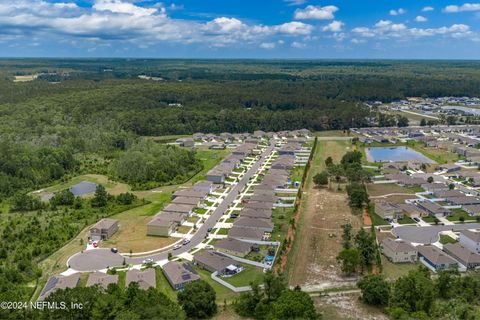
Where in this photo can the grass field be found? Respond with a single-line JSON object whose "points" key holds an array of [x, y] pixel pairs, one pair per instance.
{"points": [[375, 190], [318, 238], [250, 275]]}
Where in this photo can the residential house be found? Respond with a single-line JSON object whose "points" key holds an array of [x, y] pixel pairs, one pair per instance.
{"points": [[246, 233], [473, 210], [101, 279], [189, 193], [204, 186], [463, 200], [398, 251], [187, 200], [233, 247], [470, 239], [55, 283], [462, 254], [435, 259], [388, 210], [179, 274], [103, 229], [162, 228], [145, 278], [433, 209], [265, 225], [215, 262], [186, 209]]}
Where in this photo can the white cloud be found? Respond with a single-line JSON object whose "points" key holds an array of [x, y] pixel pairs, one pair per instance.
{"points": [[316, 13], [334, 26], [386, 29], [397, 12], [464, 7], [294, 2], [357, 41], [421, 19], [294, 27], [117, 6], [224, 25], [298, 45], [267, 45], [427, 8]]}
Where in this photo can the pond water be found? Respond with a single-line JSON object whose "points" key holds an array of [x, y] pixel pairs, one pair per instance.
{"points": [[82, 188], [392, 154]]}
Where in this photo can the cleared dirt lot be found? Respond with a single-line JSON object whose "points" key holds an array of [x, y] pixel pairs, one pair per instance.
{"points": [[318, 241], [346, 306]]}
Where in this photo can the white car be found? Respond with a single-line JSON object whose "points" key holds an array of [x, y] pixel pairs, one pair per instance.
{"points": [[209, 246], [149, 260], [176, 247], [186, 241]]}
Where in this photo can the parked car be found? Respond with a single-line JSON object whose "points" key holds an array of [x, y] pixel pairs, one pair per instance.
{"points": [[209, 229], [209, 246], [416, 219], [177, 246], [146, 261], [114, 250], [94, 244], [186, 241]]}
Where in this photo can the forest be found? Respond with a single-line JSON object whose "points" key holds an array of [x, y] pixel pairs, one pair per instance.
{"points": [[95, 116]]}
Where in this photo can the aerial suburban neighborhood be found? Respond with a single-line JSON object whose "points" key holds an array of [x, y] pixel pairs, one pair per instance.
{"points": [[229, 160]]}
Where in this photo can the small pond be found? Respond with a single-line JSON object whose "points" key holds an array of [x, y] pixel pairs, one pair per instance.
{"points": [[83, 188], [393, 154]]}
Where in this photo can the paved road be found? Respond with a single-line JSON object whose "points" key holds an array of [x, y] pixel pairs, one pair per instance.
{"points": [[83, 261], [428, 235]]}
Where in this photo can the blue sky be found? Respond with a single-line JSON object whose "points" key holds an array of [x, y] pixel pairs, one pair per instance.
{"points": [[346, 29]]}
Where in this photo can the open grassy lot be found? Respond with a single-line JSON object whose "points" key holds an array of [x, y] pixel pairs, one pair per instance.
{"points": [[318, 238], [222, 292], [251, 274], [375, 190], [394, 271], [163, 285], [438, 155]]}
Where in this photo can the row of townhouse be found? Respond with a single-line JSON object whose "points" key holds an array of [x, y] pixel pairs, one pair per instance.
{"points": [[177, 212]]}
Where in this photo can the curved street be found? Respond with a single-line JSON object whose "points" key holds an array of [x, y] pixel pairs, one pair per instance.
{"points": [[98, 259]]}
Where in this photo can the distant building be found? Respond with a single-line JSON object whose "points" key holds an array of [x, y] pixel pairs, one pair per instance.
{"points": [[233, 247], [436, 259], [388, 210], [464, 255], [162, 228], [103, 229]]}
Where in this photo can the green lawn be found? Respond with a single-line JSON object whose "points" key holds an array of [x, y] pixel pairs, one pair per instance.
{"points": [[415, 189], [223, 231], [444, 239], [246, 277], [429, 219], [281, 219], [457, 214], [221, 291], [163, 285], [393, 271], [406, 220]]}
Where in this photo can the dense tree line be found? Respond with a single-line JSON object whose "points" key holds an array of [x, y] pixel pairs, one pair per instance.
{"points": [[275, 301], [418, 296], [148, 164], [28, 237]]}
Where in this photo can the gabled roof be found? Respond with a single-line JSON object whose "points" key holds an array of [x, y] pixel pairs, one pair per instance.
{"points": [[213, 260], [472, 235], [145, 279], [462, 253], [105, 223], [59, 282], [435, 255], [179, 272], [101, 279], [233, 245], [398, 245]]}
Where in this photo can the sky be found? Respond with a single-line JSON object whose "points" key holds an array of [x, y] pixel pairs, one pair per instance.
{"points": [[293, 29]]}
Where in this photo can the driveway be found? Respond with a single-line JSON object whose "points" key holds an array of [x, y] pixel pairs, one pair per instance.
{"points": [[427, 235], [102, 258]]}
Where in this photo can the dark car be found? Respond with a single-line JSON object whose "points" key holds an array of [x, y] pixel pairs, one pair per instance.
{"points": [[209, 229], [114, 250]]}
